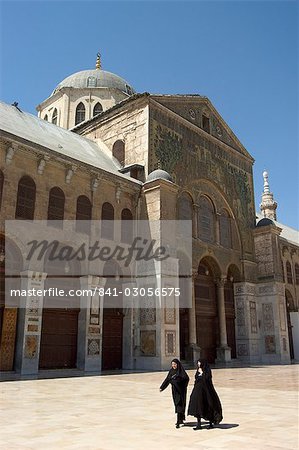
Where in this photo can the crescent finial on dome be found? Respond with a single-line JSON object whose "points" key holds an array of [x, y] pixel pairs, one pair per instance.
{"points": [[98, 61]]}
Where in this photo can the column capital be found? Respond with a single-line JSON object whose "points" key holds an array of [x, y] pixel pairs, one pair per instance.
{"points": [[220, 282]]}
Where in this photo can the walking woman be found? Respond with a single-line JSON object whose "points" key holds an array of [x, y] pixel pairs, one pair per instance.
{"points": [[204, 401], [178, 378]]}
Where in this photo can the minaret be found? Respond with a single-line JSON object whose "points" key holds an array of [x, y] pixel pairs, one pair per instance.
{"points": [[268, 205]]}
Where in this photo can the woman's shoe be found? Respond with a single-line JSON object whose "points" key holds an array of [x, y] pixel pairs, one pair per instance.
{"points": [[198, 427], [177, 425], [210, 426]]}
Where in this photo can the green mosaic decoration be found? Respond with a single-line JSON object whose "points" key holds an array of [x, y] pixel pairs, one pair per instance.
{"points": [[168, 149]]}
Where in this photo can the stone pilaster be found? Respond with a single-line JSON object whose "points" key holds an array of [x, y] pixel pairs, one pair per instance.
{"points": [[223, 351], [90, 324], [29, 323]]}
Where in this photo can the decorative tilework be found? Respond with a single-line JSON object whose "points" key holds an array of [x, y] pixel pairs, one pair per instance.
{"points": [[268, 317], [93, 346], [31, 346], [148, 343], [253, 317], [170, 343], [282, 317], [270, 345], [243, 350]]}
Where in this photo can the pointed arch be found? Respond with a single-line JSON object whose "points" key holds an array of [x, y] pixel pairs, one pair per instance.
{"points": [[80, 113], [56, 204], [118, 151], [98, 108], [55, 116]]}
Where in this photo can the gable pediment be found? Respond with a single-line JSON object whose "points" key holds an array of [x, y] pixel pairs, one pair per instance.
{"points": [[200, 112]]}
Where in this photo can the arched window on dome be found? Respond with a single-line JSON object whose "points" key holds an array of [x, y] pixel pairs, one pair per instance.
{"points": [[80, 113], [206, 220], [98, 108], [46, 118], [289, 273], [55, 117], [26, 198], [118, 151], [91, 82]]}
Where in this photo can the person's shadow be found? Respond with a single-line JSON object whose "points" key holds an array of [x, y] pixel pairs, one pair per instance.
{"points": [[222, 426]]}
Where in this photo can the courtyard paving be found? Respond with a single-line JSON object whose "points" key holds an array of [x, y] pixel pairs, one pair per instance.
{"points": [[127, 411]]}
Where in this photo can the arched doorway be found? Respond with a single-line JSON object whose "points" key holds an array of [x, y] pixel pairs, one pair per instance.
{"points": [[233, 275], [206, 309], [290, 307], [59, 335], [112, 347]]}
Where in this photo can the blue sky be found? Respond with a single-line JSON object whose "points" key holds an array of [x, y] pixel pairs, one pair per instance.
{"points": [[243, 55]]}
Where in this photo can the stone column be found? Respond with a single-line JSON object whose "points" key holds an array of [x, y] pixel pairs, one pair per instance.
{"points": [[90, 324], [194, 348], [128, 327], [30, 322], [223, 351]]}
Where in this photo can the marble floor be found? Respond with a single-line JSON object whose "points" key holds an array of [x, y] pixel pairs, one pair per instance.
{"points": [[127, 411]]}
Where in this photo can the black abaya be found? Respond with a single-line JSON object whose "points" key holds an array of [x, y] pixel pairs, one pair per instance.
{"points": [[179, 379], [204, 401]]}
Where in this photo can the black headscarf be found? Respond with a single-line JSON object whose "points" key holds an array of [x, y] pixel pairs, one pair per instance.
{"points": [[204, 365], [180, 371]]}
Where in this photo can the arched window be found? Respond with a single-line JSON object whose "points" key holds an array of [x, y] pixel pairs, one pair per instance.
{"points": [[55, 116], [126, 226], [83, 214], [80, 113], [118, 151], [206, 220], [225, 229], [98, 108], [107, 229], [297, 273], [91, 82], [46, 118], [1, 186], [206, 123], [56, 204], [26, 198], [289, 273]]}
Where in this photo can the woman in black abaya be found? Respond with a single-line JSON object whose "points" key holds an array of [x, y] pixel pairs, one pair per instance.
{"points": [[204, 401], [178, 378]]}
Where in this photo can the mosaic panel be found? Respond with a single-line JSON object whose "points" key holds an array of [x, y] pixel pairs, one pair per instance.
{"points": [[253, 317], [270, 345], [268, 317], [148, 343], [8, 338], [31, 346], [93, 347], [170, 346], [243, 350], [282, 317]]}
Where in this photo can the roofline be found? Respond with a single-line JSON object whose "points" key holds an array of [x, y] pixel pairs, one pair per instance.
{"points": [[94, 119], [35, 146]]}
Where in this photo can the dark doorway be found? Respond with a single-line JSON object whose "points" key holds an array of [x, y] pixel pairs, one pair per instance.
{"points": [[206, 313], [230, 317], [58, 348], [290, 308], [112, 339]]}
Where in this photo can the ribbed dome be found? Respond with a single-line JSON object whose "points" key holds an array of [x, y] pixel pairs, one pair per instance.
{"points": [[95, 78]]}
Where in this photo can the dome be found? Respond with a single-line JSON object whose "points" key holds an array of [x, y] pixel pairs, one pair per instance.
{"points": [[159, 174], [264, 222], [95, 78]]}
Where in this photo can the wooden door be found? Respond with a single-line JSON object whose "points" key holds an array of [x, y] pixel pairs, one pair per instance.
{"points": [[206, 317], [230, 317], [112, 339], [59, 338]]}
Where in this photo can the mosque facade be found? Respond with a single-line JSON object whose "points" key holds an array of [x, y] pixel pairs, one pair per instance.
{"points": [[98, 151]]}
